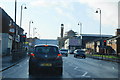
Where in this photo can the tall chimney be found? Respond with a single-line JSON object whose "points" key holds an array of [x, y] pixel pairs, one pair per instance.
{"points": [[119, 15], [118, 29], [118, 32], [62, 30]]}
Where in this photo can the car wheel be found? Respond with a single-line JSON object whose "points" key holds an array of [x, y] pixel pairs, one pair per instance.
{"points": [[74, 56], [84, 57], [31, 70], [66, 55]]}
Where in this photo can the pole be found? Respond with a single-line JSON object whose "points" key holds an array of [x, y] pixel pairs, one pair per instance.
{"points": [[100, 24], [14, 42], [29, 29], [80, 28], [33, 32], [15, 9], [21, 17]]}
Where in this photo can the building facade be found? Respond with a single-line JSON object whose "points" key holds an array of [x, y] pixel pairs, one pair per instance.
{"points": [[73, 43], [10, 33]]}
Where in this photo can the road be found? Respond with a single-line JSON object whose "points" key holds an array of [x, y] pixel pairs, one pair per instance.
{"points": [[73, 68]]}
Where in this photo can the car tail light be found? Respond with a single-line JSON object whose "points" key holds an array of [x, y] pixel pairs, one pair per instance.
{"points": [[32, 54], [58, 56], [45, 45]]}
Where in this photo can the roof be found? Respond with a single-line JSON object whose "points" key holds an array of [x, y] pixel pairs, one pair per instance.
{"points": [[96, 35]]}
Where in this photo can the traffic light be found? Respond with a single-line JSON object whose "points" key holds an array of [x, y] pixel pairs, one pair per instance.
{"points": [[22, 38], [105, 42]]}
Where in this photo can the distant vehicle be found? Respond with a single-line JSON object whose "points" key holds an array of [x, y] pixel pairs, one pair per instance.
{"points": [[79, 53], [64, 52], [71, 51], [45, 57]]}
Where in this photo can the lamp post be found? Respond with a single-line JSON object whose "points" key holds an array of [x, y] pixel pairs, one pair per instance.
{"points": [[100, 19], [34, 32], [80, 27], [21, 13], [14, 41], [80, 33], [29, 27], [99, 11]]}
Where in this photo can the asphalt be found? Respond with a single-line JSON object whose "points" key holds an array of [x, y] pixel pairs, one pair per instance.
{"points": [[73, 68]]}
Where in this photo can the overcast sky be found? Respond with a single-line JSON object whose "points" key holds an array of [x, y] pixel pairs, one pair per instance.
{"points": [[48, 15]]}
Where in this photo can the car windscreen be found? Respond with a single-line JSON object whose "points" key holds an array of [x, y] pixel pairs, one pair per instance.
{"points": [[46, 50]]}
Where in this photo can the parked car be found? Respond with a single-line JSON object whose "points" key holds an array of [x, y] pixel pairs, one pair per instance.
{"points": [[45, 57], [64, 52], [71, 51], [79, 53]]}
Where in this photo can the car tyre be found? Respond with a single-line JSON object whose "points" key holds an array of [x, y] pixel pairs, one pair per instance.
{"points": [[66, 55], [59, 71], [74, 55], [31, 70]]}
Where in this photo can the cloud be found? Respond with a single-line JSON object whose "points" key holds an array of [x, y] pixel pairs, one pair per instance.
{"points": [[109, 10], [53, 3]]}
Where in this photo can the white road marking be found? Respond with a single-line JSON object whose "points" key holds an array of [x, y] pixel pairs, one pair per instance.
{"points": [[85, 74], [75, 68], [113, 67]]}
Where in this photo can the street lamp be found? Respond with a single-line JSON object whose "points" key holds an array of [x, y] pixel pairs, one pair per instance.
{"points": [[80, 27], [99, 11], [34, 32], [21, 13], [80, 33], [29, 27]]}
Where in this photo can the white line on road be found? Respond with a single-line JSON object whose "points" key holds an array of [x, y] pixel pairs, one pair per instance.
{"points": [[85, 74], [75, 68], [113, 67]]}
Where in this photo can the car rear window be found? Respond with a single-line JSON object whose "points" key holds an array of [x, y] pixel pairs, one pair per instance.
{"points": [[64, 50], [80, 51], [46, 49]]}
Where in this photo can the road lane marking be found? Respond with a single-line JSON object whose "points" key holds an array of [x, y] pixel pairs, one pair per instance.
{"points": [[75, 68], [85, 74], [113, 68]]}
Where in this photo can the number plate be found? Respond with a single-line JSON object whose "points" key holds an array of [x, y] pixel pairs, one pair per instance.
{"points": [[46, 64]]}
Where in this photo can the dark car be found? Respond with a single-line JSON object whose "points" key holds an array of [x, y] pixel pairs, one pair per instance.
{"points": [[79, 53], [64, 52], [45, 57]]}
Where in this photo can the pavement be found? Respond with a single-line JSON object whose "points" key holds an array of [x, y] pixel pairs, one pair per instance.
{"points": [[8, 62]]}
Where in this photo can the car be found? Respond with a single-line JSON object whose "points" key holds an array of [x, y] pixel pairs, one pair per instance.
{"points": [[45, 57], [79, 53], [71, 51], [64, 52]]}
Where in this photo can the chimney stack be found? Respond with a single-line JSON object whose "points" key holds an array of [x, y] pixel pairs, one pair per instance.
{"points": [[118, 29], [62, 30]]}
